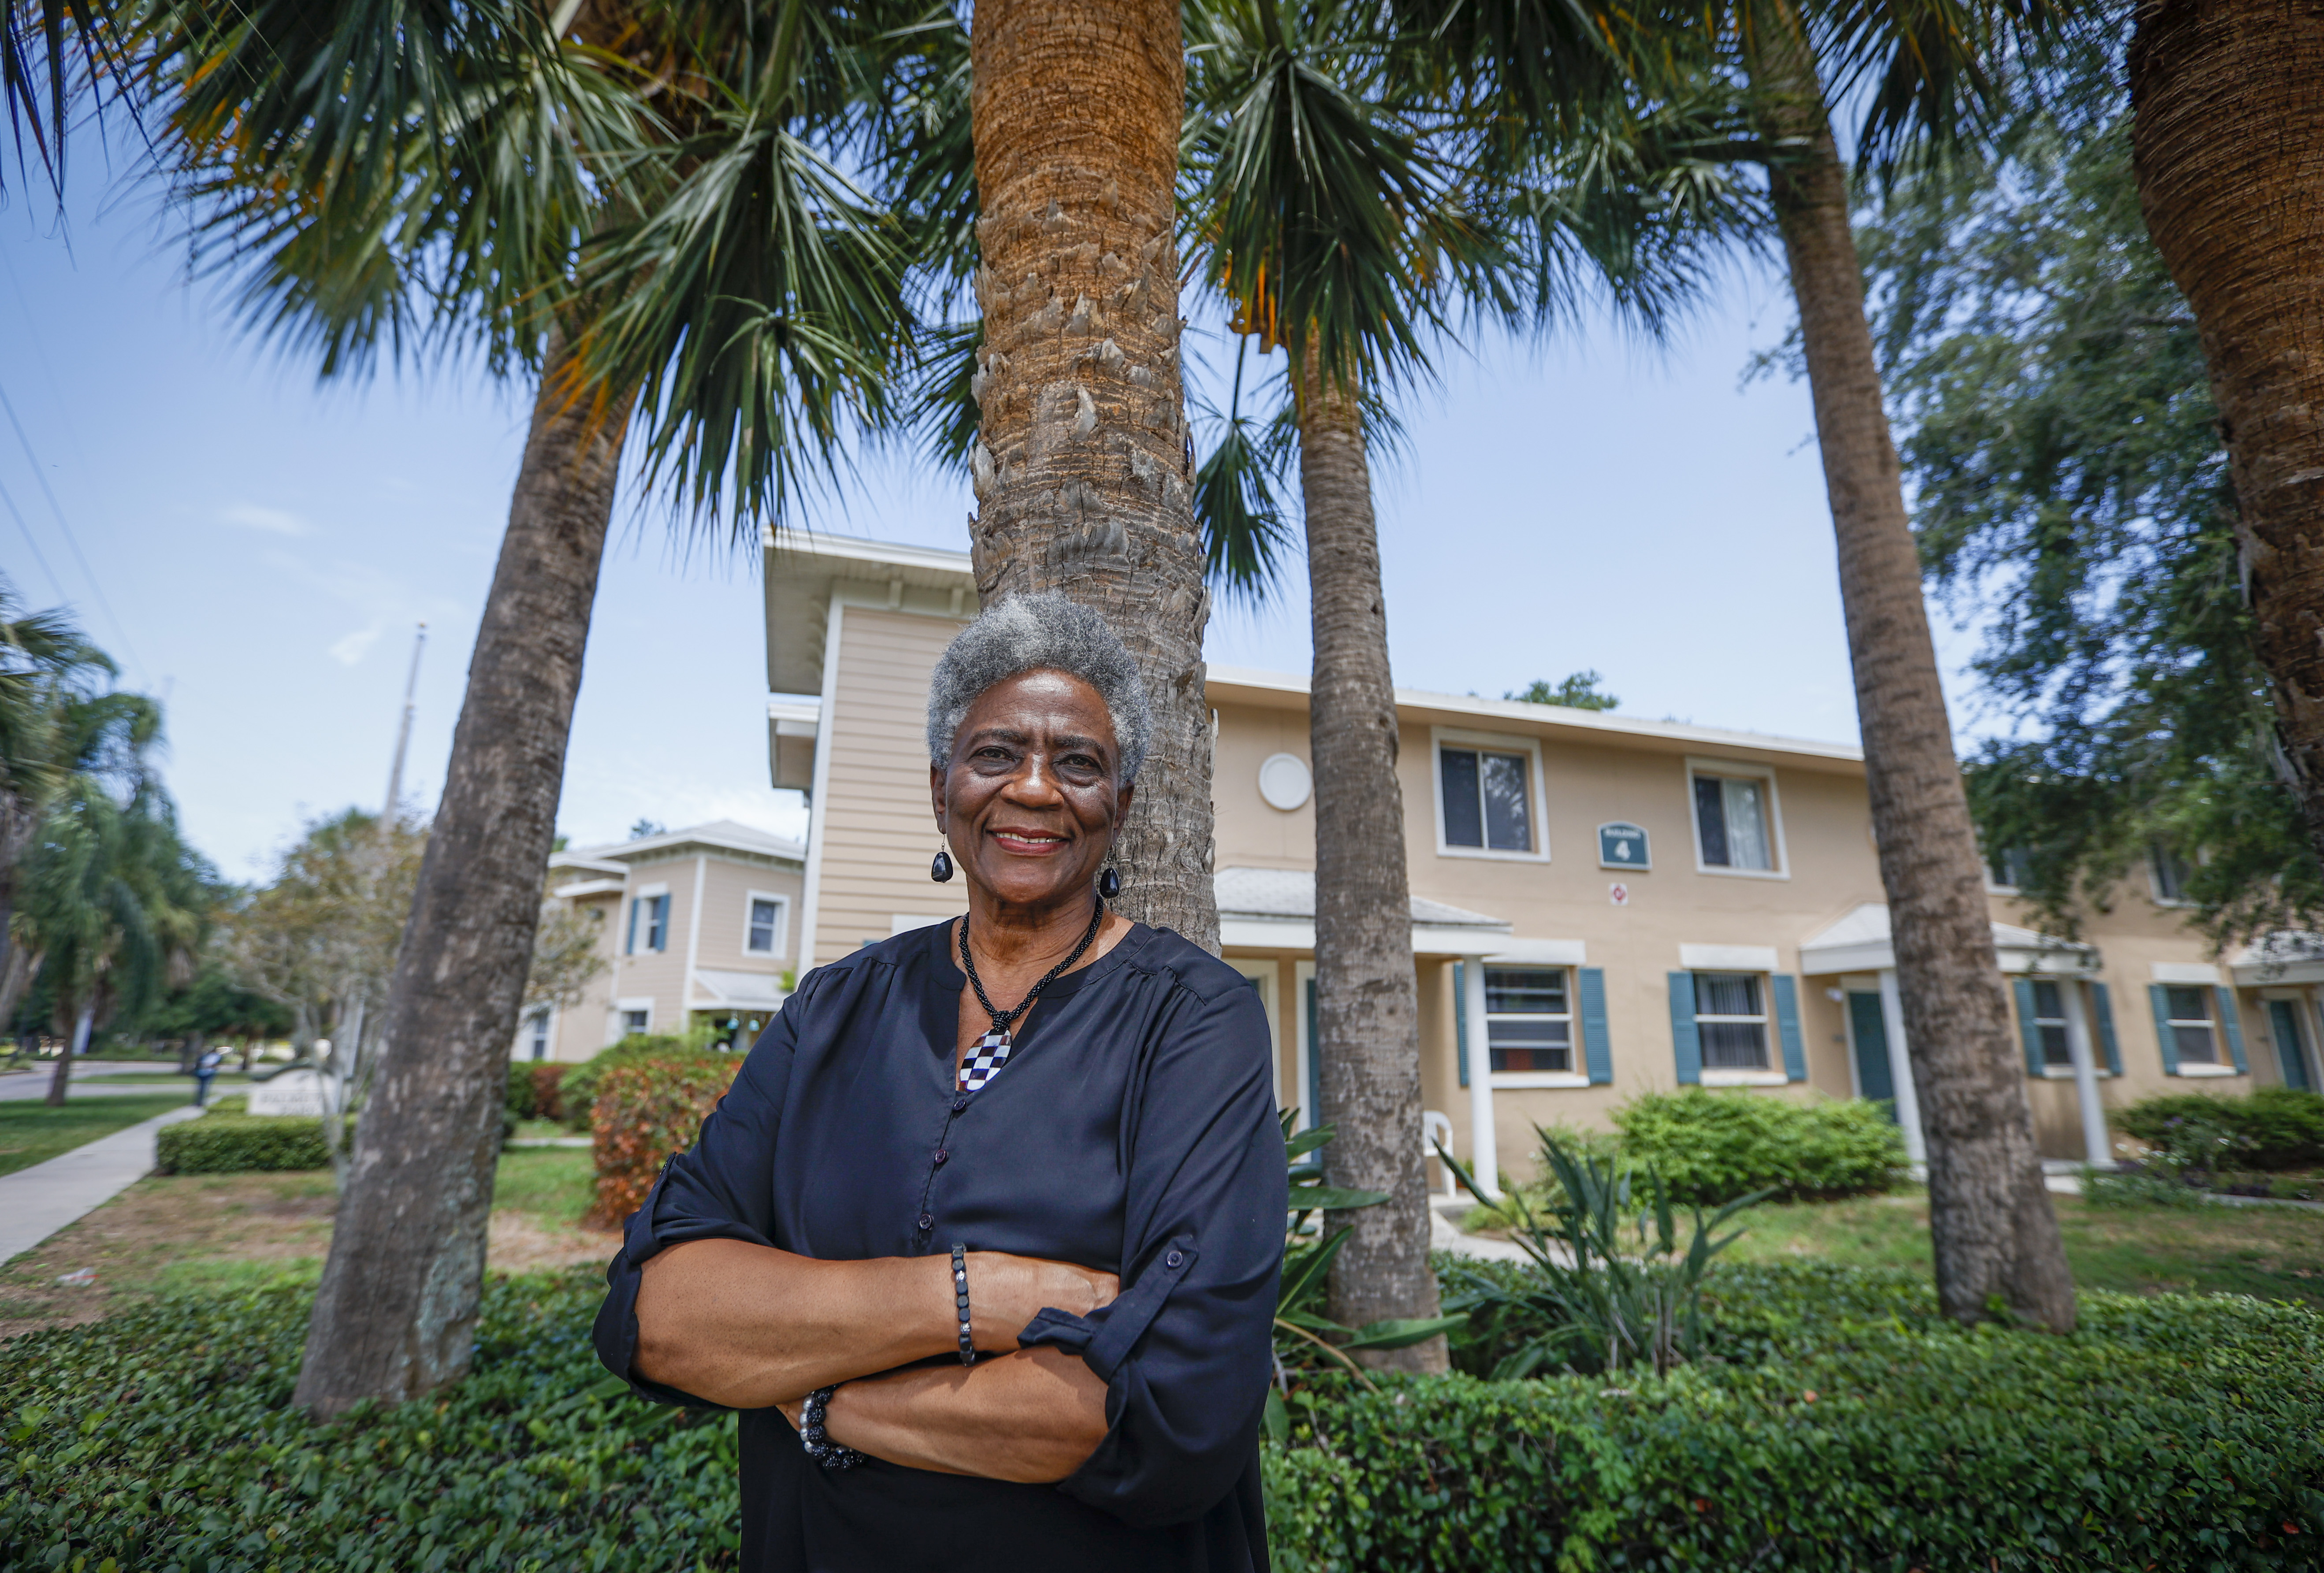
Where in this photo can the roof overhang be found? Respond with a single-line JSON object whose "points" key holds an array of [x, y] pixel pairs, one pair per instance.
{"points": [[802, 571], [2284, 958], [1860, 943]]}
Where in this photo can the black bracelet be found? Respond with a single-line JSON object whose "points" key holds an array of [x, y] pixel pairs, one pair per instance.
{"points": [[812, 1437], [960, 1302]]}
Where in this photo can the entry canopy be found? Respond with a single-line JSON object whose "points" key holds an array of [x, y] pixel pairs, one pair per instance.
{"points": [[2286, 957], [1274, 909], [1860, 943]]}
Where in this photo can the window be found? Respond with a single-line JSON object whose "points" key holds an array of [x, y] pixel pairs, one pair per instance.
{"points": [[2010, 869], [2050, 1023], [649, 923], [1529, 1018], [636, 1021], [2170, 875], [762, 935], [1733, 824], [1488, 799], [1730, 1013], [2191, 1025], [537, 1027]]}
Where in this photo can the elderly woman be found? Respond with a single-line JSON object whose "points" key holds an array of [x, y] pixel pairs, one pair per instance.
{"points": [[983, 1242]]}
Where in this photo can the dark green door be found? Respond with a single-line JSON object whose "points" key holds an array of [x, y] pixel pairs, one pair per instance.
{"points": [[1868, 1025], [1314, 1064], [2291, 1046]]}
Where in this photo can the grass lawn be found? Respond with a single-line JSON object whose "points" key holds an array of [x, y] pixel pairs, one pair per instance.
{"points": [[2276, 1253], [224, 1231], [31, 1132], [168, 1078]]}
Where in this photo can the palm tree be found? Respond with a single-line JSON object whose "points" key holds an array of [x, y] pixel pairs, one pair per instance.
{"points": [[1996, 1234], [2228, 143], [1347, 209], [630, 198], [1083, 462]]}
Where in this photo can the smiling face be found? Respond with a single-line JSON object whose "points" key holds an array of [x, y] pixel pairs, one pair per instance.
{"points": [[1032, 797]]}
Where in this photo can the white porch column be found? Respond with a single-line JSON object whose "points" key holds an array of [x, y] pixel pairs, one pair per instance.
{"points": [[1484, 1148], [1900, 1067], [2095, 1148]]}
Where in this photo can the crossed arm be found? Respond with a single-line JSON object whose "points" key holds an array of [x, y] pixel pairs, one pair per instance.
{"points": [[751, 1327]]}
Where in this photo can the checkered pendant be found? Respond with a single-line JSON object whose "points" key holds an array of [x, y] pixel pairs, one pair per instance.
{"points": [[985, 1061]]}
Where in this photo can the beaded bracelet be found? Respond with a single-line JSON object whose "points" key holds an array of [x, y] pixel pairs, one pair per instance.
{"points": [[814, 1439], [960, 1302]]}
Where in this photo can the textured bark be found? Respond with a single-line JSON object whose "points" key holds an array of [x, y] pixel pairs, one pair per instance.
{"points": [[396, 1312], [1082, 466], [1996, 1234], [1367, 1004], [2227, 140]]}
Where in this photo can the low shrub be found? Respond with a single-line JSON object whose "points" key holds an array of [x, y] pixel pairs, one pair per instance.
{"points": [[1847, 1430], [577, 1086], [163, 1439], [1712, 1147], [241, 1143], [548, 1090], [2271, 1128], [648, 1110]]}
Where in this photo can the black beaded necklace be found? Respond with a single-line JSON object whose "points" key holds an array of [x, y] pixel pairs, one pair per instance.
{"points": [[991, 1050]]}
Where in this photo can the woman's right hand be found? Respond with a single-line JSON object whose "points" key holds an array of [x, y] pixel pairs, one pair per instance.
{"points": [[1006, 1292]]}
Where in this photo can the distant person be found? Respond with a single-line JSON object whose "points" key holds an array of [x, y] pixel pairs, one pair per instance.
{"points": [[204, 1069]]}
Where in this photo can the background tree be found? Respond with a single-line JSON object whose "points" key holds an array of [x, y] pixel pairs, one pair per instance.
{"points": [[1578, 691], [2227, 143], [568, 954], [2071, 483], [647, 213]]}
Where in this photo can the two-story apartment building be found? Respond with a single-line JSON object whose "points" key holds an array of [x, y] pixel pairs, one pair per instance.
{"points": [[1601, 905], [695, 926]]}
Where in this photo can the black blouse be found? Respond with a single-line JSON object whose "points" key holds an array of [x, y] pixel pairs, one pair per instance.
{"points": [[1132, 1131]]}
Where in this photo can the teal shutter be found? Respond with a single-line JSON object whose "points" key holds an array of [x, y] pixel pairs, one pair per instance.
{"points": [[1596, 1044], [2160, 997], [2028, 1035], [2104, 1012], [1461, 1018], [1686, 1044], [2231, 1022], [1314, 1063], [1787, 1027], [630, 945]]}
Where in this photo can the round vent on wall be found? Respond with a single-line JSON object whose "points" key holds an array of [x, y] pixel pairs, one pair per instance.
{"points": [[1284, 781]]}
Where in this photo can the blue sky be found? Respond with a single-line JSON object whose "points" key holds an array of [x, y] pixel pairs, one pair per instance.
{"points": [[256, 548]]}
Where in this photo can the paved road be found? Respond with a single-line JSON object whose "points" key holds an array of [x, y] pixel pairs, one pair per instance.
{"points": [[91, 1080], [38, 1201]]}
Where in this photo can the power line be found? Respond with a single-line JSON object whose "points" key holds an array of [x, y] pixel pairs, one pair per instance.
{"points": [[37, 555], [95, 588]]}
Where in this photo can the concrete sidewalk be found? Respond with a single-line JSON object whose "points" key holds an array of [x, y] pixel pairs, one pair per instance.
{"points": [[38, 1201]]}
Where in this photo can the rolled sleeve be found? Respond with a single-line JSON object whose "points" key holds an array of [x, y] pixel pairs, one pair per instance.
{"points": [[719, 1188], [1185, 1352]]}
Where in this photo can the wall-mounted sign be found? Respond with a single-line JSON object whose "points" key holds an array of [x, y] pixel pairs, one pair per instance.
{"points": [[1622, 845], [1618, 894]]}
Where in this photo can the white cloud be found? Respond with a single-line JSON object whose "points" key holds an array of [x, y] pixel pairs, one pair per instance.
{"points": [[350, 650], [273, 520]]}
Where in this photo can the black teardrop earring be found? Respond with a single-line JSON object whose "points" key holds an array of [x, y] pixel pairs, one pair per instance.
{"points": [[1108, 882], [940, 868]]}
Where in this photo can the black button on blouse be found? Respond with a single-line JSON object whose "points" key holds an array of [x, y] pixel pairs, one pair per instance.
{"points": [[1132, 1130]]}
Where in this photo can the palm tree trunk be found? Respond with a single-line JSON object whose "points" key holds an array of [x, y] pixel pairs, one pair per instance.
{"points": [[2227, 140], [1996, 1233], [60, 1079], [395, 1314], [1367, 1006], [1083, 465]]}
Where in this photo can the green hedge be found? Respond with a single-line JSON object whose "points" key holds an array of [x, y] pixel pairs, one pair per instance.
{"points": [[2273, 1128], [162, 1437], [238, 1144], [1711, 1147], [1848, 1429]]}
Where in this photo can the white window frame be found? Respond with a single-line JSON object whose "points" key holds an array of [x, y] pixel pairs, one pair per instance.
{"points": [[782, 923], [2154, 879], [2220, 1063], [1261, 971], [1701, 766], [622, 1010], [1439, 738], [545, 1019], [1771, 1075], [1579, 1076], [2064, 1022]]}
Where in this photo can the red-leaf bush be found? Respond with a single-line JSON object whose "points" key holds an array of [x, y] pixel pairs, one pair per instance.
{"points": [[648, 1110]]}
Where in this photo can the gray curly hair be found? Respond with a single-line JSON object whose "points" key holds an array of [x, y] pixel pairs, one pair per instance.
{"points": [[1043, 632]]}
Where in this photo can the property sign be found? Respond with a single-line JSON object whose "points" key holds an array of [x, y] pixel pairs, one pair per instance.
{"points": [[296, 1091], [1622, 845]]}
